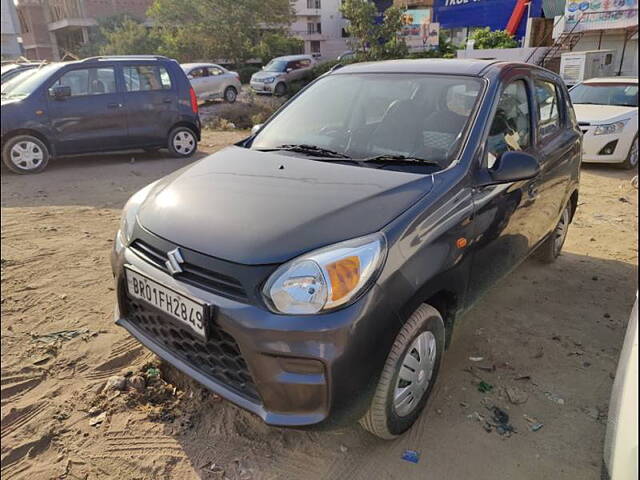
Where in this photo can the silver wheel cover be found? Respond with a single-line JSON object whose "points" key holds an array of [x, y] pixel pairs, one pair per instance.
{"points": [[26, 155], [184, 142], [414, 377]]}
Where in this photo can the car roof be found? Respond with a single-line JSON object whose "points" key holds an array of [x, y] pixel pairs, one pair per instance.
{"points": [[612, 80], [294, 57], [195, 65], [451, 66]]}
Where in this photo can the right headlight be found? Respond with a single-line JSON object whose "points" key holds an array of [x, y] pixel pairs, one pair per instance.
{"points": [[268, 80], [326, 278], [610, 128]]}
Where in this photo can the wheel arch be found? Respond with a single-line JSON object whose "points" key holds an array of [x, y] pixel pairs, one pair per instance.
{"points": [[34, 133], [190, 125]]}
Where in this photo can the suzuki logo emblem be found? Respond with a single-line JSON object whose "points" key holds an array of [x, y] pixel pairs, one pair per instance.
{"points": [[174, 261]]}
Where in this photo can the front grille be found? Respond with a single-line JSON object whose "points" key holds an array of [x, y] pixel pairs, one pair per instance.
{"points": [[218, 357], [192, 274]]}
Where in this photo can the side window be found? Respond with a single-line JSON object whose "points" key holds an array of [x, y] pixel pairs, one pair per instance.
{"points": [[305, 63], [146, 77], [292, 65], [548, 108], [215, 71], [89, 81], [198, 72], [511, 126]]}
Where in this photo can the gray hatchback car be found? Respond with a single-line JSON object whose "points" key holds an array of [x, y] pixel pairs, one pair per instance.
{"points": [[277, 76], [315, 271]]}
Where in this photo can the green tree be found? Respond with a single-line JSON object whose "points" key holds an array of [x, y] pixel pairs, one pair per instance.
{"points": [[277, 44], [130, 38], [371, 40], [216, 29], [485, 39]]}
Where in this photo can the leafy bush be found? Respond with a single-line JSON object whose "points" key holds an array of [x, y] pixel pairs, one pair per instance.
{"points": [[485, 39], [245, 72]]}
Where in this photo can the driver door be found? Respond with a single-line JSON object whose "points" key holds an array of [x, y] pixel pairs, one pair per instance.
{"points": [[507, 221]]}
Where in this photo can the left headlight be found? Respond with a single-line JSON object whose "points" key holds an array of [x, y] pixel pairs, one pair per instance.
{"points": [[268, 80], [326, 278], [129, 213], [610, 128]]}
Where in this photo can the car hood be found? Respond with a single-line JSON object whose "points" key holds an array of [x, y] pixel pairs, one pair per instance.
{"points": [[263, 74], [256, 208], [602, 113]]}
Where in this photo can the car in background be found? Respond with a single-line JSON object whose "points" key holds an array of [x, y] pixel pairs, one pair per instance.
{"points": [[9, 71], [211, 81], [98, 104], [277, 76], [607, 112], [621, 440]]}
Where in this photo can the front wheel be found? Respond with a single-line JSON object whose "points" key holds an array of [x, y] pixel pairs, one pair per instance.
{"points": [[182, 142], [280, 89], [408, 376], [632, 157], [550, 250], [25, 154]]}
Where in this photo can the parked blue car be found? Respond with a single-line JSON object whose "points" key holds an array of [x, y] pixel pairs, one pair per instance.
{"points": [[99, 104]]}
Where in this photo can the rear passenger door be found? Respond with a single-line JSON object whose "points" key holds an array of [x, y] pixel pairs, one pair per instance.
{"points": [[199, 79], [151, 103], [92, 118], [558, 144]]}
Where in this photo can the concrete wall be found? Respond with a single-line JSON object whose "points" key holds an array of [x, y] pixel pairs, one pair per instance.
{"points": [[613, 41]]}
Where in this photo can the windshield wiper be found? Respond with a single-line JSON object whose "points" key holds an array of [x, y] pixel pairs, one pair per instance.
{"points": [[390, 158], [309, 150]]}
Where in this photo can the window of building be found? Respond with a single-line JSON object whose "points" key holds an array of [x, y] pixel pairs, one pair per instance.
{"points": [[89, 81], [146, 77], [548, 108], [313, 4], [315, 46], [511, 127]]}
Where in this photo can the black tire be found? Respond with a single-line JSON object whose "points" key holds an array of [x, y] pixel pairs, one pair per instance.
{"points": [[550, 249], [33, 145], [631, 161], [178, 141], [230, 94], [382, 419], [280, 90]]}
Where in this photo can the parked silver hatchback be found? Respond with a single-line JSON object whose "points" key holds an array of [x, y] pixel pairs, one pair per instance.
{"points": [[277, 75], [211, 81]]}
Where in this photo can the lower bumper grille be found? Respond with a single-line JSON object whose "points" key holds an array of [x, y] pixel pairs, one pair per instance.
{"points": [[218, 357]]}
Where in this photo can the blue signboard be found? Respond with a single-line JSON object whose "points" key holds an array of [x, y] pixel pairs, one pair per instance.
{"points": [[494, 14]]}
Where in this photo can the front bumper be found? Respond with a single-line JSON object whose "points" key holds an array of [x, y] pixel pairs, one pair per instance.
{"points": [[304, 369], [592, 146], [260, 87]]}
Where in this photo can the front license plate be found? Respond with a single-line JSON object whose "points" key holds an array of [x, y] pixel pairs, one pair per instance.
{"points": [[180, 307]]}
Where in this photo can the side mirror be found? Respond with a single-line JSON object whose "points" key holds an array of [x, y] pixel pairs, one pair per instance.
{"points": [[60, 92], [513, 167], [255, 128]]}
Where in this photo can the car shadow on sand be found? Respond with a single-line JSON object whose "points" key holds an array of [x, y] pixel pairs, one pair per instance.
{"points": [[558, 326]]}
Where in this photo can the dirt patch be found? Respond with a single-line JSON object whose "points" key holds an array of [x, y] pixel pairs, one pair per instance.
{"points": [[546, 340]]}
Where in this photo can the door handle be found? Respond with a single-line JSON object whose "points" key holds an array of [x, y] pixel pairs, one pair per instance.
{"points": [[114, 105]]}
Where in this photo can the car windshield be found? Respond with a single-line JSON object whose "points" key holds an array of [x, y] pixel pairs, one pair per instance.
{"points": [[32, 82], [368, 115], [16, 80], [618, 94], [275, 66]]}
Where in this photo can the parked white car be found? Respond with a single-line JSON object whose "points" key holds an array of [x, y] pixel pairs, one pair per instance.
{"points": [[211, 81], [621, 441], [277, 75], [607, 112]]}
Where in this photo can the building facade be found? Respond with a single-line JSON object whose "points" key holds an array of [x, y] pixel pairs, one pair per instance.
{"points": [[55, 29], [11, 47]]}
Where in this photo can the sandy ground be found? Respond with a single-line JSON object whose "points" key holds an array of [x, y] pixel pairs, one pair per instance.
{"points": [[560, 327]]}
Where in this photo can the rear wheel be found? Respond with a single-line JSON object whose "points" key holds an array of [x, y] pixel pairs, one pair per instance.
{"points": [[408, 376], [230, 95], [182, 142], [25, 154], [552, 246], [632, 157]]}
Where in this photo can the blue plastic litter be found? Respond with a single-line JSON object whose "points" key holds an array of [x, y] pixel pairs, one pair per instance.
{"points": [[411, 456]]}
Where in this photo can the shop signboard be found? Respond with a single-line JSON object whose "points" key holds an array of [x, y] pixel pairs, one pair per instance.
{"points": [[588, 15]]}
